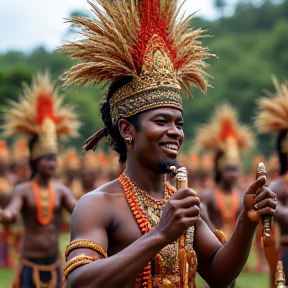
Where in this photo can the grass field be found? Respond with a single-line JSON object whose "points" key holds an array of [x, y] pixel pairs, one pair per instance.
{"points": [[245, 280]]}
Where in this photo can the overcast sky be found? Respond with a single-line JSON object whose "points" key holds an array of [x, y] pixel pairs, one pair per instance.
{"points": [[26, 24]]}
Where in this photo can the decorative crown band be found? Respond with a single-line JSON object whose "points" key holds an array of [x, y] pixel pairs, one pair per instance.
{"points": [[144, 100], [156, 86]]}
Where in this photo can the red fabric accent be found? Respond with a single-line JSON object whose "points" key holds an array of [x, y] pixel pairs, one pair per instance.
{"points": [[228, 130], [151, 23], [45, 109]]}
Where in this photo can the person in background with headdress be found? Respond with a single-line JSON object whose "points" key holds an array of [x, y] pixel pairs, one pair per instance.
{"points": [[6, 187], [19, 172], [89, 167], [273, 168], [272, 117], [72, 169], [41, 116], [124, 234], [227, 138]]}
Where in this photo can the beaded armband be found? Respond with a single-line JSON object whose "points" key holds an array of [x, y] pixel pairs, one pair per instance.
{"points": [[77, 244], [220, 235], [76, 262]]}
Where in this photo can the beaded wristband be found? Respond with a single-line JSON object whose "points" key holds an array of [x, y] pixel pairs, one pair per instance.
{"points": [[85, 244], [76, 262]]}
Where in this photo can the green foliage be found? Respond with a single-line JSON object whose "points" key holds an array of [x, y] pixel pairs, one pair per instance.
{"points": [[250, 46]]}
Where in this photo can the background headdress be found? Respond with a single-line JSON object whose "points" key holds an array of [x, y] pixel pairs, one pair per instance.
{"points": [[272, 115], [4, 153], [40, 115], [72, 160], [20, 152], [144, 40], [225, 135]]}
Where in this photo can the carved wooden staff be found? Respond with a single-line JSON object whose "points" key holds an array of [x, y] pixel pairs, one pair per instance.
{"points": [[268, 235], [186, 253]]}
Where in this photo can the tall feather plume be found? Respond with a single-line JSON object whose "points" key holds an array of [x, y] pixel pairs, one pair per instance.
{"points": [[272, 113], [113, 43], [224, 124], [37, 103]]}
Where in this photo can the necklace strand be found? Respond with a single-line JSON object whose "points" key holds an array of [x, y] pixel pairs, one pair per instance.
{"points": [[45, 201], [137, 198]]}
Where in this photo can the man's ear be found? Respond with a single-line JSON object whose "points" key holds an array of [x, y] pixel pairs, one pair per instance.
{"points": [[126, 129]]}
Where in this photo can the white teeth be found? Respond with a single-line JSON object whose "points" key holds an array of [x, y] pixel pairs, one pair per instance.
{"points": [[171, 147]]}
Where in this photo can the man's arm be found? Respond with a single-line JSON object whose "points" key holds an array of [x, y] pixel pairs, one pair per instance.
{"points": [[68, 200], [11, 212], [92, 218], [224, 266]]}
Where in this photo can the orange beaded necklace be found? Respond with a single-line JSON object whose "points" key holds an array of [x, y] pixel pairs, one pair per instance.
{"points": [[45, 201], [137, 198]]}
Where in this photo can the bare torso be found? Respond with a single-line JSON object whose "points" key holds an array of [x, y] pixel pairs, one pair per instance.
{"points": [[214, 210], [40, 240]]}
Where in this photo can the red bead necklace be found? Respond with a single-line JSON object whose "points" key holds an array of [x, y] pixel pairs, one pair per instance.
{"points": [[134, 195]]}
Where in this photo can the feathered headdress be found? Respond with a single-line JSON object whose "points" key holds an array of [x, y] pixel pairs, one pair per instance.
{"points": [[144, 40], [40, 115], [272, 113], [72, 160], [225, 135], [20, 152]]}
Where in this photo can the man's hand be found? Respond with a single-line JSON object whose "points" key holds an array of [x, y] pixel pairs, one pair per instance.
{"points": [[259, 200], [6, 216], [180, 212]]}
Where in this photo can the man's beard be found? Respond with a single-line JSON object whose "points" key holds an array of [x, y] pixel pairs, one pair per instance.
{"points": [[165, 164]]}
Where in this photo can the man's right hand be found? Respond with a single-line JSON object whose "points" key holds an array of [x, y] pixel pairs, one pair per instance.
{"points": [[5, 216], [180, 212]]}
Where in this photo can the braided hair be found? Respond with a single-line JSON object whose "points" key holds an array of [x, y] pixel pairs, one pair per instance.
{"points": [[114, 137], [282, 156]]}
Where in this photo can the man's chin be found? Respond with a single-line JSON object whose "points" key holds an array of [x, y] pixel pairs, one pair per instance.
{"points": [[165, 164]]}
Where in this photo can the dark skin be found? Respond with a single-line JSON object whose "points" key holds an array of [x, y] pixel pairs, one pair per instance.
{"points": [[280, 187], [104, 216], [39, 241], [228, 182]]}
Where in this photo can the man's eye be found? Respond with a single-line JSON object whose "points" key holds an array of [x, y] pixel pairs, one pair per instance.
{"points": [[180, 124], [160, 121]]}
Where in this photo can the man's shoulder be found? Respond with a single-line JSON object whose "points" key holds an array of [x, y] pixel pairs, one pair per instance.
{"points": [[110, 188], [99, 204], [104, 193], [23, 187]]}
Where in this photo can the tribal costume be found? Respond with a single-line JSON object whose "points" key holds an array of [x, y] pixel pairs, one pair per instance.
{"points": [[227, 138], [147, 50], [7, 251], [42, 117]]}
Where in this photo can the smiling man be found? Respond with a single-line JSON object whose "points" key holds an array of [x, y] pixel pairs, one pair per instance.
{"points": [[124, 234], [39, 115]]}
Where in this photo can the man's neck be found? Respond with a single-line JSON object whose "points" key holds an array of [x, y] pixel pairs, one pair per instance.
{"points": [[226, 188], [146, 179], [42, 180]]}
